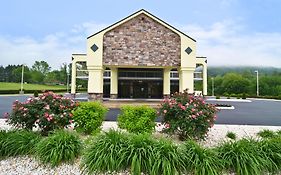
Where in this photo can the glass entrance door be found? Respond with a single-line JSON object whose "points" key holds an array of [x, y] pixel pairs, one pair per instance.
{"points": [[140, 89]]}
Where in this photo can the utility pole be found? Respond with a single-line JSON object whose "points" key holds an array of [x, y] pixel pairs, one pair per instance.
{"points": [[21, 85], [213, 87], [257, 82]]}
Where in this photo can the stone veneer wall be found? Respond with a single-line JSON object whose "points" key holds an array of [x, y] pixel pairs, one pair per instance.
{"points": [[141, 41]]}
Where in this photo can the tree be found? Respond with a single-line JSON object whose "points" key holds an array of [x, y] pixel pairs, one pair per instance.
{"points": [[41, 66], [235, 83]]}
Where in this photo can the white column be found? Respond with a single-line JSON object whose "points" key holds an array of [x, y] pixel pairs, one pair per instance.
{"points": [[73, 78], [205, 79], [186, 79], [95, 83], [113, 82], [166, 81]]}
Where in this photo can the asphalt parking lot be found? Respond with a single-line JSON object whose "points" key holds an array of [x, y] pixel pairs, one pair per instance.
{"points": [[257, 112]]}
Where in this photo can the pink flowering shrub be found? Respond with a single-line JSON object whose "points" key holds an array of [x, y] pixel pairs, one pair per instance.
{"points": [[49, 111], [187, 116]]}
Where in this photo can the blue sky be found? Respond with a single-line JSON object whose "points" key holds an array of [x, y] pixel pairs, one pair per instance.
{"points": [[228, 32]]}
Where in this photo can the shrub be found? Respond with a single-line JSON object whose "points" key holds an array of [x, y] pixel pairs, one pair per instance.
{"points": [[137, 119], [18, 142], [140, 153], [218, 97], [266, 134], [244, 96], [61, 146], [167, 158], [243, 156], [231, 135], [35, 94], [187, 116], [49, 111], [115, 151], [200, 160], [107, 153], [88, 117]]}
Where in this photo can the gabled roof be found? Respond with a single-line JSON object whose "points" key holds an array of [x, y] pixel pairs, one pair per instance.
{"points": [[142, 11]]}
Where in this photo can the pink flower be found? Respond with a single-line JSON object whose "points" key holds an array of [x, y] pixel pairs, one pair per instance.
{"points": [[70, 121], [194, 116], [6, 115], [46, 114], [215, 117], [183, 107], [192, 109], [70, 115], [165, 111], [47, 107], [167, 125]]}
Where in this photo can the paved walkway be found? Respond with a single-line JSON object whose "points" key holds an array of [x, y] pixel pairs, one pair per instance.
{"points": [[118, 103]]}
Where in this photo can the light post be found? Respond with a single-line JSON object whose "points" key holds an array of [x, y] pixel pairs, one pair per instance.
{"points": [[21, 85], [257, 82], [67, 78], [213, 87]]}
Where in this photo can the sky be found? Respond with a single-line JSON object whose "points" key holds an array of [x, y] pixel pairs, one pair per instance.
{"points": [[228, 32]]}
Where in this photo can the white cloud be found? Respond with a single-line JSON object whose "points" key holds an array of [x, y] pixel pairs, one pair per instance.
{"points": [[54, 48], [224, 43]]}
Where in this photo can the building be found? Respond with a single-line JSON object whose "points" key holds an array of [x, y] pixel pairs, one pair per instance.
{"points": [[140, 56]]}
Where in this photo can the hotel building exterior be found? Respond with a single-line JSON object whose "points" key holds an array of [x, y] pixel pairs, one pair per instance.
{"points": [[140, 56]]}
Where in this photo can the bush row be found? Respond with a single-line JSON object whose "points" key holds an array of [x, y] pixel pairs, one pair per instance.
{"points": [[183, 114], [115, 151]]}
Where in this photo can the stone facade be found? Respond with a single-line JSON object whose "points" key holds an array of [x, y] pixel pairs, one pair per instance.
{"points": [[141, 41]]}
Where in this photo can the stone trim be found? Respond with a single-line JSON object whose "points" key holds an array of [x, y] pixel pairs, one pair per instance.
{"points": [[95, 96]]}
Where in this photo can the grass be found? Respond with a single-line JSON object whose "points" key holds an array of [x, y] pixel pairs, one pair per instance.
{"points": [[17, 86], [201, 161], [266, 134], [18, 142], [244, 157], [106, 153], [231, 135], [61, 146]]}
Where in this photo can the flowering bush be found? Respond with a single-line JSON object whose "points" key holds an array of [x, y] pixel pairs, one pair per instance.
{"points": [[187, 116], [49, 111]]}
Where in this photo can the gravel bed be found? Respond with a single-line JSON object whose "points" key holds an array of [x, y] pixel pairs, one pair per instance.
{"points": [[26, 165]]}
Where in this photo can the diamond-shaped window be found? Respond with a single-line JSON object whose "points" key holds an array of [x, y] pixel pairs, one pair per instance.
{"points": [[94, 47], [188, 50]]}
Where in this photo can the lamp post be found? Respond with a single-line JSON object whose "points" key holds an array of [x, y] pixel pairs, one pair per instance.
{"points": [[257, 82], [67, 77], [213, 87], [21, 85]]}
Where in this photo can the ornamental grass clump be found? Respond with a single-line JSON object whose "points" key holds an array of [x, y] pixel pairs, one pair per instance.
{"points": [[61, 146], [107, 153], [231, 135], [88, 117], [137, 119], [187, 116], [166, 158], [48, 111], [266, 134], [244, 157], [140, 153], [201, 161], [18, 142], [272, 151]]}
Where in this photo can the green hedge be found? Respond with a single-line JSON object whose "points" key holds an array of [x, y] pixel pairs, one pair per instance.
{"points": [[39, 91]]}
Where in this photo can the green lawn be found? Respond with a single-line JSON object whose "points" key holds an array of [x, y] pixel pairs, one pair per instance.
{"points": [[16, 86]]}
